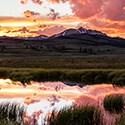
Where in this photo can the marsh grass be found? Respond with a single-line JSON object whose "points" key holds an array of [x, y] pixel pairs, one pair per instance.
{"points": [[114, 103], [77, 115], [85, 76], [11, 113]]}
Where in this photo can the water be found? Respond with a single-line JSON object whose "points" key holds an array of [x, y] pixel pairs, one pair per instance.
{"points": [[41, 98]]}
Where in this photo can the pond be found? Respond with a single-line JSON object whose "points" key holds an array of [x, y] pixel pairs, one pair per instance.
{"points": [[41, 98]]}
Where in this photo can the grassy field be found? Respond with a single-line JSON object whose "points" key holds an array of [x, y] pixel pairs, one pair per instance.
{"points": [[63, 62]]}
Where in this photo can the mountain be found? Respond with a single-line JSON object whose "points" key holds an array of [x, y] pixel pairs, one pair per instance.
{"points": [[80, 30], [78, 42]]}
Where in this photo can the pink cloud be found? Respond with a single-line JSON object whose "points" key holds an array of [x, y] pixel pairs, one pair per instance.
{"points": [[109, 9], [48, 31], [53, 15], [113, 10], [86, 8], [53, 30]]}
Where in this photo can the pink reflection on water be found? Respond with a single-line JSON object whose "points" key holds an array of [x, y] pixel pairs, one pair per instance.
{"points": [[43, 97]]}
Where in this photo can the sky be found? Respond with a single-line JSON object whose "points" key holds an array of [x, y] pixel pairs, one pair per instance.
{"points": [[48, 17]]}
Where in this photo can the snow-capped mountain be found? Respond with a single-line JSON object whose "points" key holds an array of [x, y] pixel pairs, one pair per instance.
{"points": [[80, 30]]}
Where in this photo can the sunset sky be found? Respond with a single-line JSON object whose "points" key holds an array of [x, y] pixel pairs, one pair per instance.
{"points": [[47, 17]]}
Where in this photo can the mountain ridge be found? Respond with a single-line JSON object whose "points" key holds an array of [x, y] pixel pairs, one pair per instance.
{"points": [[80, 30]]}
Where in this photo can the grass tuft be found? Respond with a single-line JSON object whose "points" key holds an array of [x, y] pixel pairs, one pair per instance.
{"points": [[11, 113], [114, 103], [77, 115]]}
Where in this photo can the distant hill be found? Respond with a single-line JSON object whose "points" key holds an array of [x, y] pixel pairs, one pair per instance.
{"points": [[77, 42]]}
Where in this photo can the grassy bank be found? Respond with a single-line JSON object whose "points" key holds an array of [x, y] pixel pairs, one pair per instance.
{"points": [[86, 76]]}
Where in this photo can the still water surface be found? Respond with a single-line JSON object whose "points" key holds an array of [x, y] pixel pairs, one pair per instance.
{"points": [[41, 98]]}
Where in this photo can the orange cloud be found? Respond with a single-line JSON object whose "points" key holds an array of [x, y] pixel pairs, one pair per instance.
{"points": [[37, 2], [23, 1], [43, 25], [30, 14]]}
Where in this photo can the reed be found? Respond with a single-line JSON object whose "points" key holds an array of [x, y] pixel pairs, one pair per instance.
{"points": [[114, 103], [77, 115]]}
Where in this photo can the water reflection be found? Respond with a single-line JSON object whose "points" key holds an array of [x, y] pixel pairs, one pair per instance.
{"points": [[43, 97]]}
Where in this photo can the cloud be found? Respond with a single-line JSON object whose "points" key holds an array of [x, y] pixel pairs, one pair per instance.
{"points": [[53, 30], [104, 15], [31, 14], [37, 2], [43, 26], [23, 1], [86, 8], [49, 31], [53, 15], [113, 10], [109, 9], [22, 30]]}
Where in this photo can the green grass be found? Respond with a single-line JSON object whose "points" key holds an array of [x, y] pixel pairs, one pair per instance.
{"points": [[114, 103], [11, 113], [77, 115], [83, 76]]}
